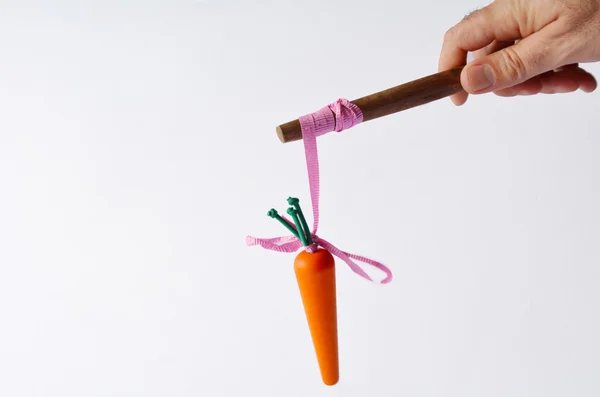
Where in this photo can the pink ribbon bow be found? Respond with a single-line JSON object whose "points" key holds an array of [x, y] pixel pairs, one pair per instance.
{"points": [[338, 116]]}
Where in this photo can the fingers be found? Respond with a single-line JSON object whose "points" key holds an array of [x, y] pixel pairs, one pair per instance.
{"points": [[561, 81], [567, 79], [530, 87], [587, 82], [476, 31], [513, 65]]}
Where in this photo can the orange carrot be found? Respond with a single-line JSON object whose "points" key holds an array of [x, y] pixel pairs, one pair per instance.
{"points": [[315, 273]]}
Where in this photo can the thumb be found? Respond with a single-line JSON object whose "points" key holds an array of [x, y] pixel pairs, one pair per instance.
{"points": [[512, 65]]}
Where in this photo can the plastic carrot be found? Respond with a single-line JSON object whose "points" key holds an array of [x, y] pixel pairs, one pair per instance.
{"points": [[315, 274]]}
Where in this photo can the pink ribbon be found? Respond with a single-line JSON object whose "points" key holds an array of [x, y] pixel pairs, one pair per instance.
{"points": [[338, 116]]}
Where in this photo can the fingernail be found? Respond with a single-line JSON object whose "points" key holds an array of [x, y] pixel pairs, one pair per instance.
{"points": [[480, 77]]}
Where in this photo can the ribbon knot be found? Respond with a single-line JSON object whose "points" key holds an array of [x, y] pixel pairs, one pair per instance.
{"points": [[338, 116], [347, 114]]}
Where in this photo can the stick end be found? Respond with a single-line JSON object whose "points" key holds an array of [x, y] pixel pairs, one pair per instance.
{"points": [[280, 134], [289, 132]]}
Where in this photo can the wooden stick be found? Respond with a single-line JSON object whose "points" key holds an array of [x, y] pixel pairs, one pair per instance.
{"points": [[393, 100]]}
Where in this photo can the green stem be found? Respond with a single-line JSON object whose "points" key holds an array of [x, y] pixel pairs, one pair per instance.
{"points": [[296, 203], [273, 214], [301, 235]]}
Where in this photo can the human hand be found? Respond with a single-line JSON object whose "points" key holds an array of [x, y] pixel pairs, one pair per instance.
{"points": [[525, 47]]}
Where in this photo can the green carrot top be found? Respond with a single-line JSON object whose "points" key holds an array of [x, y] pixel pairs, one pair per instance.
{"points": [[301, 230]]}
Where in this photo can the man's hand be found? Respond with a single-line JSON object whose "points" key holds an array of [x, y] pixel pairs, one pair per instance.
{"points": [[525, 47]]}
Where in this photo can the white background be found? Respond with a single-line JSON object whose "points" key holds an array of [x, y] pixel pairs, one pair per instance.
{"points": [[138, 149]]}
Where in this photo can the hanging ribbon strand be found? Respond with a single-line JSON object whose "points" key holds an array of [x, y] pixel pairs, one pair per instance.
{"points": [[338, 116]]}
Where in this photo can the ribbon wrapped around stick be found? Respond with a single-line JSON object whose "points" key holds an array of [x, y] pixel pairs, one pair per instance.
{"points": [[338, 116]]}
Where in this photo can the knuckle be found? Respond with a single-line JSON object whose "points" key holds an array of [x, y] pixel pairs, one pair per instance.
{"points": [[471, 14], [450, 34], [468, 27], [513, 66]]}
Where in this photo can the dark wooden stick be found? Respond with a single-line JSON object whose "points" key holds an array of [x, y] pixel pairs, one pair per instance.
{"points": [[393, 100]]}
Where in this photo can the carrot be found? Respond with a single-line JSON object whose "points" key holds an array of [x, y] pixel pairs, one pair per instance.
{"points": [[315, 275]]}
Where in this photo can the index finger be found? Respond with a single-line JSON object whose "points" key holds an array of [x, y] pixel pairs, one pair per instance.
{"points": [[474, 32]]}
